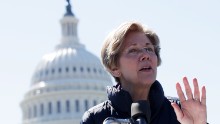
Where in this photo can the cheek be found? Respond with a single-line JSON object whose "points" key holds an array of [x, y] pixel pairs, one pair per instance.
{"points": [[127, 64]]}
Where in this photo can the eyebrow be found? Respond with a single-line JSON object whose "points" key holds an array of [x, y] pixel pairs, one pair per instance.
{"points": [[146, 44]]}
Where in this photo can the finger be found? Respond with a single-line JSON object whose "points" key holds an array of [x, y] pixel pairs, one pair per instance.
{"points": [[196, 89], [203, 98], [180, 93], [178, 111], [187, 88]]}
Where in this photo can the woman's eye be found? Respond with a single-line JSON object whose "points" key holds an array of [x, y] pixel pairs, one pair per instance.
{"points": [[133, 50], [149, 49]]}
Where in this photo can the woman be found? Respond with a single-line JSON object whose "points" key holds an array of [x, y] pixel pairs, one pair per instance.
{"points": [[131, 53]]}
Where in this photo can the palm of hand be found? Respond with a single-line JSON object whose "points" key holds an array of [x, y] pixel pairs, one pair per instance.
{"points": [[193, 110]]}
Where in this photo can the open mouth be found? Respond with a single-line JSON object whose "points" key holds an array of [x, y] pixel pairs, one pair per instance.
{"points": [[145, 69]]}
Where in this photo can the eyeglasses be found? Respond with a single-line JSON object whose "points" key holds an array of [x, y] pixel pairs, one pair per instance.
{"points": [[135, 51]]}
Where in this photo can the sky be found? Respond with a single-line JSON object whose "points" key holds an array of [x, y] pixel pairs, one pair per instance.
{"points": [[188, 31]]}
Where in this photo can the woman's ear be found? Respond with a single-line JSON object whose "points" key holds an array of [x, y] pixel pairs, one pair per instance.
{"points": [[115, 72]]}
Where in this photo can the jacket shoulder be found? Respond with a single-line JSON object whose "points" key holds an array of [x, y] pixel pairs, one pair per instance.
{"points": [[96, 114]]}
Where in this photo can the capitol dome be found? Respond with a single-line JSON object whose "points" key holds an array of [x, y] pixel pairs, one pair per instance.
{"points": [[65, 82], [71, 64]]}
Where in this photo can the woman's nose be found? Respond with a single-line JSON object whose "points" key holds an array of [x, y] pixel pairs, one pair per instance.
{"points": [[144, 56]]}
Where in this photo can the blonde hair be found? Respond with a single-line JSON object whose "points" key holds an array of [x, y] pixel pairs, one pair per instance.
{"points": [[113, 43]]}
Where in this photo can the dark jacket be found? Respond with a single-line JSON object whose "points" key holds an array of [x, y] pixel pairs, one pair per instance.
{"points": [[119, 103]]}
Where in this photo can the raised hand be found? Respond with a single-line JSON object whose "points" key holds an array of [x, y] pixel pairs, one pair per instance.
{"points": [[193, 108]]}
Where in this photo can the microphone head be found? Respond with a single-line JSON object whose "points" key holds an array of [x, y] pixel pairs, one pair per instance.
{"points": [[141, 109]]}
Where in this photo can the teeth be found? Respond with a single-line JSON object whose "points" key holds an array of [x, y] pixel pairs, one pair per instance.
{"points": [[145, 68]]}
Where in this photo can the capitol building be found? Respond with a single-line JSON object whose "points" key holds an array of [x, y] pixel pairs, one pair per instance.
{"points": [[66, 82]]}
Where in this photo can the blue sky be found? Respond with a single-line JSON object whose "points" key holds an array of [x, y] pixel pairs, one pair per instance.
{"points": [[188, 30]]}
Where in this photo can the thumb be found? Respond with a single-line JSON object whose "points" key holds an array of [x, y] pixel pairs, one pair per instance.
{"points": [[178, 111]]}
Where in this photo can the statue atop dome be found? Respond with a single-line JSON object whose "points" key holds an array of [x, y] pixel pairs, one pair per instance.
{"points": [[68, 9]]}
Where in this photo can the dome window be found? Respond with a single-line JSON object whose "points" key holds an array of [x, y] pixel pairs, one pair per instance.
{"points": [[53, 70], [60, 70], [41, 109], [74, 69], [67, 106], [86, 105], [88, 69], [81, 69], [67, 69], [95, 70], [58, 107], [77, 105], [35, 111], [49, 108]]}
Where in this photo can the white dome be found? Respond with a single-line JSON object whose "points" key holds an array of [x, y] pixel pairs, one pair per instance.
{"points": [[70, 64], [66, 82]]}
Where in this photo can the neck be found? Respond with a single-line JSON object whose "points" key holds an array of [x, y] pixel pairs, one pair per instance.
{"points": [[138, 92]]}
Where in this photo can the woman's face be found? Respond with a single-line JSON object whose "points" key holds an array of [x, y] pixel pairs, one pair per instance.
{"points": [[138, 61]]}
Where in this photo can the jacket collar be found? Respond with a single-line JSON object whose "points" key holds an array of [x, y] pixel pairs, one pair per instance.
{"points": [[121, 99]]}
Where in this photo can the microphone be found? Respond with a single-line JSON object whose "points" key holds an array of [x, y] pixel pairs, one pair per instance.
{"points": [[140, 114], [140, 111]]}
